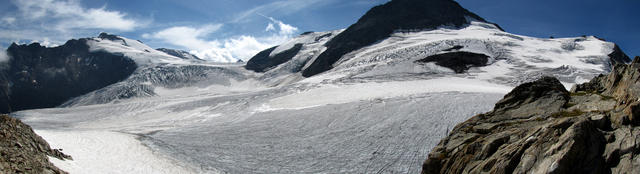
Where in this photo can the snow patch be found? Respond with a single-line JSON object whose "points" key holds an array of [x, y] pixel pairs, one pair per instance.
{"points": [[108, 152]]}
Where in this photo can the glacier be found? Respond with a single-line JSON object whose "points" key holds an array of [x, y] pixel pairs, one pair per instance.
{"points": [[375, 111]]}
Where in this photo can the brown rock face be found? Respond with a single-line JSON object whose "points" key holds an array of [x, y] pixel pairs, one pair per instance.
{"points": [[22, 151], [539, 127]]}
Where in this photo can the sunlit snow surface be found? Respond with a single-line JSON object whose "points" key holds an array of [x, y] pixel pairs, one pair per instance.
{"points": [[377, 111]]}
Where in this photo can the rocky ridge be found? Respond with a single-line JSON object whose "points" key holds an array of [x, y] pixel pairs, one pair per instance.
{"points": [[540, 127], [23, 151]]}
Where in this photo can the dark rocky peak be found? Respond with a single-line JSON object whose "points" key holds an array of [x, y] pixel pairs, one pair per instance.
{"points": [[112, 37], [381, 21], [539, 127], [108, 36], [41, 77]]}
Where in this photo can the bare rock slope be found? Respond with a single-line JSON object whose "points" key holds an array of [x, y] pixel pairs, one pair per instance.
{"points": [[22, 151], [540, 127]]}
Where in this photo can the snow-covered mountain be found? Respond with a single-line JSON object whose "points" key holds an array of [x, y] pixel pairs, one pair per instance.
{"points": [[37, 76], [372, 98]]}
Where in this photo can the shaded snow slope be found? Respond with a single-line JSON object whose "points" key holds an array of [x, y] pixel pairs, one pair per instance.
{"points": [[180, 54]]}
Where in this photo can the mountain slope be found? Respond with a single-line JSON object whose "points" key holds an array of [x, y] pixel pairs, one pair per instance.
{"points": [[381, 21], [42, 77]]}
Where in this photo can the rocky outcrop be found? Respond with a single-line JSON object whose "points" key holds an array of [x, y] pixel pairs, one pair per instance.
{"points": [[23, 151], [263, 61], [40, 77], [381, 21], [540, 127], [459, 62], [617, 56]]}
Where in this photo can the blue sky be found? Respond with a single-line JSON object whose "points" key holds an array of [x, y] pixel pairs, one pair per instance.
{"points": [[227, 29]]}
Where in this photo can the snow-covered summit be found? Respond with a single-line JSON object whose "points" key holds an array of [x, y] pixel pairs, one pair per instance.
{"points": [[134, 49], [512, 59]]}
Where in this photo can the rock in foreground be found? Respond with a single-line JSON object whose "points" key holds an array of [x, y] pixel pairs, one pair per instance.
{"points": [[540, 127], [23, 151]]}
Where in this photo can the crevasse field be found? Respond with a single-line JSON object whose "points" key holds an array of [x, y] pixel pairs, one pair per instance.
{"points": [[376, 111]]}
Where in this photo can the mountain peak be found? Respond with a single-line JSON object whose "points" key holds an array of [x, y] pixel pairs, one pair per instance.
{"points": [[110, 37], [381, 21]]}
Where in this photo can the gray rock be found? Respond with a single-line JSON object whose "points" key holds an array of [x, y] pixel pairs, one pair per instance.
{"points": [[22, 151], [541, 128]]}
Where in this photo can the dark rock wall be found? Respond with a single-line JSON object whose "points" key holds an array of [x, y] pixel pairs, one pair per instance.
{"points": [[40, 77]]}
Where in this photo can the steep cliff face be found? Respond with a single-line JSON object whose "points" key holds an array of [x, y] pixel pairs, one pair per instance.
{"points": [[22, 151], [39, 77], [540, 127]]}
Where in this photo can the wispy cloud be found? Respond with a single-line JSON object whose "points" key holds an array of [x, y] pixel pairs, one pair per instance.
{"points": [[283, 7], [230, 49], [60, 20]]}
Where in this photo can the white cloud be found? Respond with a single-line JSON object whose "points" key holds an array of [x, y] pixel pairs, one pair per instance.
{"points": [[70, 14], [187, 37], [223, 50], [60, 20], [285, 29], [8, 20], [270, 27], [3, 56]]}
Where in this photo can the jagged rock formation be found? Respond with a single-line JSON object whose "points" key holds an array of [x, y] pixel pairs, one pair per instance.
{"points": [[22, 151], [379, 22], [39, 77], [540, 127]]}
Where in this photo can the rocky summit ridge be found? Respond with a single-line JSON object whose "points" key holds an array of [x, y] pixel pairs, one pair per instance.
{"points": [[540, 127]]}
